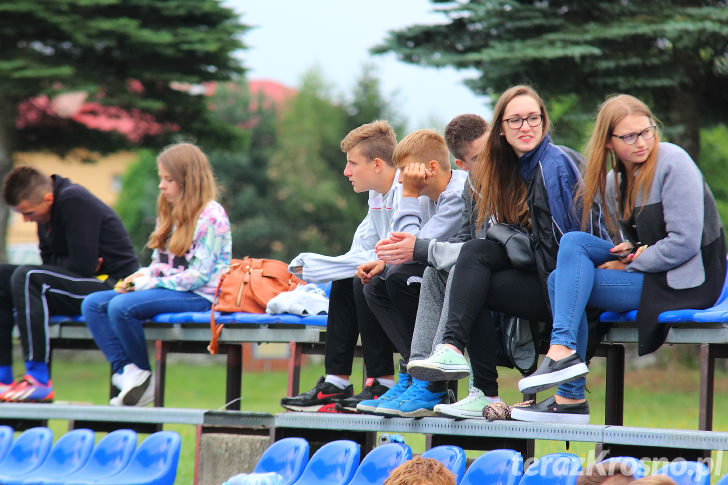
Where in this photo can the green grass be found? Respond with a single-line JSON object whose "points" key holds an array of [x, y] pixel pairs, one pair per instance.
{"points": [[661, 396]]}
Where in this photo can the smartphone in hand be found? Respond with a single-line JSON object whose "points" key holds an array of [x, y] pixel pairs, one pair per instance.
{"points": [[622, 254]]}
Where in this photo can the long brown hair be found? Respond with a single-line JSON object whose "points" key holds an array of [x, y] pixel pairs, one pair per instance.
{"points": [[496, 177], [189, 167], [600, 159]]}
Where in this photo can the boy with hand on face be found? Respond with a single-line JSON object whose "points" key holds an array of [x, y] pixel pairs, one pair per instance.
{"points": [[465, 136], [431, 207]]}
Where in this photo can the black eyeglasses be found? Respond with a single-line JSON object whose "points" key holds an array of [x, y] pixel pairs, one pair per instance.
{"points": [[516, 123], [631, 138]]}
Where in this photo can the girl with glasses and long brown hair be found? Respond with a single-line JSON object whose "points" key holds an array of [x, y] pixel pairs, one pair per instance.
{"points": [[670, 252]]}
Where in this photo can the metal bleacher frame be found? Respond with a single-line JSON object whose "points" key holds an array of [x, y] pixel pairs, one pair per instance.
{"points": [[712, 339], [667, 443], [191, 337]]}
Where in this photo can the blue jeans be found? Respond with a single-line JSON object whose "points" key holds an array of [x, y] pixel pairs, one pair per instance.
{"points": [[576, 282], [115, 320]]}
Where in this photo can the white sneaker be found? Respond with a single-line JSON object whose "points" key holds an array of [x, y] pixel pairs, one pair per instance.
{"points": [[128, 372], [469, 407], [134, 384], [117, 379], [443, 365], [145, 399], [148, 396]]}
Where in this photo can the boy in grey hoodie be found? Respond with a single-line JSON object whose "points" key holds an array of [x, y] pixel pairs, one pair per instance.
{"points": [[369, 167], [395, 303]]}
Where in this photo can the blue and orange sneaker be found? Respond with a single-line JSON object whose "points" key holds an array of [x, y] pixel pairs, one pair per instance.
{"points": [[4, 387], [28, 389]]}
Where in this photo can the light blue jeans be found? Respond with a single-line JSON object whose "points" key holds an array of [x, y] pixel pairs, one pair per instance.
{"points": [[576, 282], [115, 320]]}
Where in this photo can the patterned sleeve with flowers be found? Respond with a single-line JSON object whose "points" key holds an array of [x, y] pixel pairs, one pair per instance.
{"points": [[207, 259]]}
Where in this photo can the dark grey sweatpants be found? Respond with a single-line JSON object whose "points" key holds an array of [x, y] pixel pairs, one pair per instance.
{"points": [[431, 312]]}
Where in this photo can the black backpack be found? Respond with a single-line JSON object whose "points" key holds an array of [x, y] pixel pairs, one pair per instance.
{"points": [[519, 342]]}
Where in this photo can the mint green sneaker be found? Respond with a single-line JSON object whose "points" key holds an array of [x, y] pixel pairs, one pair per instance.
{"points": [[470, 407], [443, 365]]}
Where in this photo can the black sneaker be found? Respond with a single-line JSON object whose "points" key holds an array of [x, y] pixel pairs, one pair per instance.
{"points": [[372, 390], [322, 394], [552, 373], [549, 411]]}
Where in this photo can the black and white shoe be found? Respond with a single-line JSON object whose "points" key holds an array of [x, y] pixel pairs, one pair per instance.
{"points": [[323, 395], [549, 411], [372, 390], [551, 373]]}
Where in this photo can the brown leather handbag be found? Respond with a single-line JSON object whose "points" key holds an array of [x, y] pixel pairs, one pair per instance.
{"points": [[247, 287]]}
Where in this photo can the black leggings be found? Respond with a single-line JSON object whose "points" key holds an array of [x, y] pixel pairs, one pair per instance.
{"points": [[486, 281], [348, 316], [394, 303]]}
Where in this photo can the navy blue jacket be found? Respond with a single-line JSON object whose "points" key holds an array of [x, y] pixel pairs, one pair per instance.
{"points": [[83, 229], [552, 180]]}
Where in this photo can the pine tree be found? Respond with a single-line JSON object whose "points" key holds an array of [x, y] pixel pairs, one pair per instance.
{"points": [[123, 53], [673, 54]]}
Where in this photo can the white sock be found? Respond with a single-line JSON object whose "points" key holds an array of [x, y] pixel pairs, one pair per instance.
{"points": [[339, 382], [386, 382], [493, 399]]}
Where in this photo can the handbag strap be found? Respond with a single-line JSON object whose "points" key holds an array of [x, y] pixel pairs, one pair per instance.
{"points": [[216, 328]]}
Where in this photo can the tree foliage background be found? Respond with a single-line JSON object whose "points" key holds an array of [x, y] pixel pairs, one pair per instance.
{"points": [[671, 53], [123, 53], [280, 167], [282, 186]]}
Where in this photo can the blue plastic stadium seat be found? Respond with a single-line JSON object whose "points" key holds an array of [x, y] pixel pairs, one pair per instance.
{"points": [[717, 313], [318, 320], [326, 287], [686, 472], [453, 457], [553, 469], [184, 317], [267, 319], [110, 455], [610, 316], [225, 318], [333, 464], [635, 466], [28, 452], [6, 440], [259, 318], [379, 463], [496, 467], [55, 319], [287, 458], [154, 463], [70, 452], [238, 318]]}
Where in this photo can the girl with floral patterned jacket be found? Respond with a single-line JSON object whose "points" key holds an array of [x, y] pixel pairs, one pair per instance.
{"points": [[191, 249]]}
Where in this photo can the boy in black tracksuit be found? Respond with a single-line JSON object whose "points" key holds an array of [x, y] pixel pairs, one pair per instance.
{"points": [[84, 248]]}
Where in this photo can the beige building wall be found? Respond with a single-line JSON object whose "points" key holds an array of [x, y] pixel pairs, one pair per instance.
{"points": [[102, 177]]}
